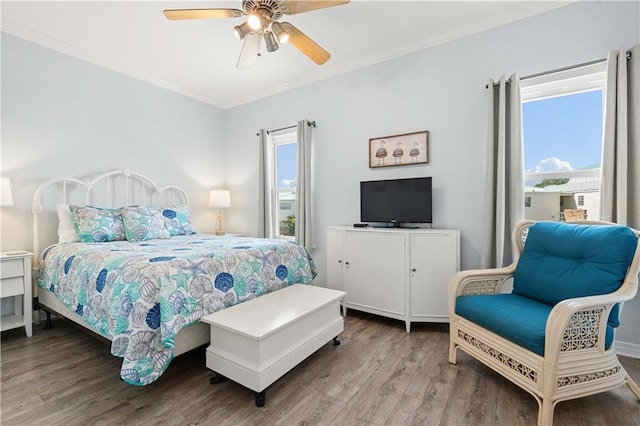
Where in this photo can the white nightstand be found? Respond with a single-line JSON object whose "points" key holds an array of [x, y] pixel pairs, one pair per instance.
{"points": [[15, 281]]}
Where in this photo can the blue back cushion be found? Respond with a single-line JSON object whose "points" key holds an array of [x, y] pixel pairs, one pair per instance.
{"points": [[562, 261]]}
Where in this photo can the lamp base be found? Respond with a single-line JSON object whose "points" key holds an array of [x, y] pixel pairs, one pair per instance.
{"points": [[219, 229]]}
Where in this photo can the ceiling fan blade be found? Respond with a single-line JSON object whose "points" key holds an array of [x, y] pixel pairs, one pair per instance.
{"points": [[176, 14], [304, 44], [250, 51], [291, 7]]}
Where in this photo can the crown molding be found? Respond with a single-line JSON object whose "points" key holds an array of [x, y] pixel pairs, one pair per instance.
{"points": [[62, 47]]}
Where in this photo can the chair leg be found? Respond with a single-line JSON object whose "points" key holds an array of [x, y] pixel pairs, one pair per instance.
{"points": [[452, 351], [633, 387]]}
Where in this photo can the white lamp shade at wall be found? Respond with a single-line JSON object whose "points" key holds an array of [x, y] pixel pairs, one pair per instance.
{"points": [[220, 199], [6, 197]]}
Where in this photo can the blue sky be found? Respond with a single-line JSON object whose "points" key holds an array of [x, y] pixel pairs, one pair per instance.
{"points": [[568, 128], [287, 165]]}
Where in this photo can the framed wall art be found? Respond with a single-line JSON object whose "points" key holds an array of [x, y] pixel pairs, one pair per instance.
{"points": [[399, 150]]}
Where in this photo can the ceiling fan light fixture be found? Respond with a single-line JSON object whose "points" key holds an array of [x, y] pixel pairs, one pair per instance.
{"points": [[270, 41], [254, 21], [242, 30], [280, 32]]}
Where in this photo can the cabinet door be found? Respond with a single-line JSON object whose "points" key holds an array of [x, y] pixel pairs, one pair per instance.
{"points": [[433, 263], [375, 270], [335, 259]]}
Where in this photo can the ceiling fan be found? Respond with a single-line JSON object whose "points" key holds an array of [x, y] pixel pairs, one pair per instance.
{"points": [[263, 22]]}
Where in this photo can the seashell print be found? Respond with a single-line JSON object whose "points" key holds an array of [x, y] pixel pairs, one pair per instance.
{"points": [[68, 263], [149, 290], [139, 233], [212, 266], [230, 298], [101, 280], [169, 214], [130, 272], [139, 344], [282, 272], [138, 315], [119, 345], [230, 263], [274, 258], [199, 286], [153, 317], [267, 273], [129, 375], [177, 300], [160, 359], [223, 281]]}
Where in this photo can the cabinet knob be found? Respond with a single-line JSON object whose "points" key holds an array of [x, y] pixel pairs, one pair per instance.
{"points": [[340, 261], [346, 263], [413, 269]]}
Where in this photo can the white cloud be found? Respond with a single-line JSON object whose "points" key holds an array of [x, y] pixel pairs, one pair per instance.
{"points": [[552, 164], [289, 183]]}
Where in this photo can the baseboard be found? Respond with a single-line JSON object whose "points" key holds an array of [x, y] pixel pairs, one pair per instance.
{"points": [[632, 350]]}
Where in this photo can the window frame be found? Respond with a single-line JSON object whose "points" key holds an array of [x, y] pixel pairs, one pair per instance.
{"points": [[278, 138], [572, 81]]}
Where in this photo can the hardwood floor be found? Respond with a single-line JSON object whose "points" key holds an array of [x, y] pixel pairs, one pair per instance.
{"points": [[378, 375]]}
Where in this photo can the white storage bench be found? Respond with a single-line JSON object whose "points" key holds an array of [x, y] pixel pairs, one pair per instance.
{"points": [[256, 342]]}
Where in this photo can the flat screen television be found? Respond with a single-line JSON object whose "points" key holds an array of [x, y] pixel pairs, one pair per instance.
{"points": [[396, 201]]}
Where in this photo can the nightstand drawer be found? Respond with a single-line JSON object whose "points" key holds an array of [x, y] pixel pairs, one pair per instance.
{"points": [[11, 286], [12, 268]]}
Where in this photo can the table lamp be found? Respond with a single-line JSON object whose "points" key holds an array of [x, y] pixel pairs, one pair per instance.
{"points": [[219, 199], [6, 197]]}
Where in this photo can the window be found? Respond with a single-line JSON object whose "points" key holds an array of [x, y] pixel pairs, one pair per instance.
{"points": [[285, 153], [527, 201], [562, 116]]}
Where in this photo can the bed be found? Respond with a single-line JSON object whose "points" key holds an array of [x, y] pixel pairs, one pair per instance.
{"points": [[147, 292]]}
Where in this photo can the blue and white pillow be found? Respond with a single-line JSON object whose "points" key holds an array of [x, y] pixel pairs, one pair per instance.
{"points": [[95, 225], [143, 223], [177, 219]]}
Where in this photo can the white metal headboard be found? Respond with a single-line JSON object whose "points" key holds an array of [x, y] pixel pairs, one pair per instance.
{"points": [[123, 187]]}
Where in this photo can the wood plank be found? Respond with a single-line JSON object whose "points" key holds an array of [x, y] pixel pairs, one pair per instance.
{"points": [[379, 374]]}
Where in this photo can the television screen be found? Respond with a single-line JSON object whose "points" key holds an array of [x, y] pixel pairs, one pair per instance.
{"points": [[396, 200]]}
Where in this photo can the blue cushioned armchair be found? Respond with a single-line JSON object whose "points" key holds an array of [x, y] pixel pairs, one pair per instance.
{"points": [[553, 334]]}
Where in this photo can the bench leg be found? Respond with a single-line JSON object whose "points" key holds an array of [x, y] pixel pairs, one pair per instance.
{"points": [[48, 323], [260, 398], [217, 379], [336, 342]]}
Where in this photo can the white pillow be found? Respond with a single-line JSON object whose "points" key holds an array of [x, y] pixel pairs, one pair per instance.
{"points": [[66, 231]]}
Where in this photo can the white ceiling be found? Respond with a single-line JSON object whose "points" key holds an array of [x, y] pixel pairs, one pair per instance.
{"points": [[197, 58]]}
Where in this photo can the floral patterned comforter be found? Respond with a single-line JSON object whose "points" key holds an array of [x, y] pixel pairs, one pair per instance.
{"points": [[140, 294]]}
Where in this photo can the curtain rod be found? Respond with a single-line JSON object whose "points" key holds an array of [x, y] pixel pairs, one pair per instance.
{"points": [[310, 123], [559, 70]]}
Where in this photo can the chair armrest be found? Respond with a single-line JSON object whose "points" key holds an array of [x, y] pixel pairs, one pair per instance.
{"points": [[581, 323], [478, 281]]}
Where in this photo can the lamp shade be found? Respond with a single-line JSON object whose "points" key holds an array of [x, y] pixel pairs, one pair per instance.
{"points": [[6, 198], [220, 199]]}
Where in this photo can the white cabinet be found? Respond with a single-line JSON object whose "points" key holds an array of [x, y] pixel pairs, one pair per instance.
{"points": [[15, 281], [397, 273]]}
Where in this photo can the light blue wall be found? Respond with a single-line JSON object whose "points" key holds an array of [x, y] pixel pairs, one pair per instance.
{"points": [[440, 89], [62, 116]]}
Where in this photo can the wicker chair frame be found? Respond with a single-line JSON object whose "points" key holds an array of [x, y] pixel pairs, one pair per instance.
{"points": [[575, 363]]}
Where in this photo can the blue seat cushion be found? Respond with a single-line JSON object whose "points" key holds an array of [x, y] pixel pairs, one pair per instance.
{"points": [[516, 318], [562, 261]]}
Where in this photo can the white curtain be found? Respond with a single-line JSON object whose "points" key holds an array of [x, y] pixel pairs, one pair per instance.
{"points": [[620, 180], [304, 186], [265, 209], [504, 178]]}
